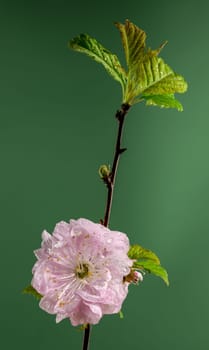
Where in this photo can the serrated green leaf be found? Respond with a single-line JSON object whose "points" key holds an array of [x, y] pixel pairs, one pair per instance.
{"points": [[32, 291], [163, 101], [147, 73], [153, 77], [138, 252], [151, 267], [90, 46]]}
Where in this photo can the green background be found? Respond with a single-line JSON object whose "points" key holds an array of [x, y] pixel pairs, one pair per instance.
{"points": [[57, 126]]}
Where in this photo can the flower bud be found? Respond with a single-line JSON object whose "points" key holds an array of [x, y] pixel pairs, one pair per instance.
{"points": [[137, 277], [134, 277]]}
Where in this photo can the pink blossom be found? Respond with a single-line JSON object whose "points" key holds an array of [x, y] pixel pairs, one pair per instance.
{"points": [[80, 271]]}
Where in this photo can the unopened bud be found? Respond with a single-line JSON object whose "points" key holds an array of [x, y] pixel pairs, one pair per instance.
{"points": [[104, 171], [134, 277], [137, 277]]}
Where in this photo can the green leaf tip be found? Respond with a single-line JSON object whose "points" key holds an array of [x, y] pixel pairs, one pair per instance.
{"points": [[32, 291], [147, 261], [121, 315], [153, 268], [148, 78]]}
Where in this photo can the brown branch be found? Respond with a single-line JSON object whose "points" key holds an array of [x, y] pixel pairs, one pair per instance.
{"points": [[110, 182], [86, 337], [120, 115]]}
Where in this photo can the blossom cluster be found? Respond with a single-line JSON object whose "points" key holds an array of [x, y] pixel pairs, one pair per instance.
{"points": [[83, 271]]}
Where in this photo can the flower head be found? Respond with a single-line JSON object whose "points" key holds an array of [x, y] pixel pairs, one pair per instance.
{"points": [[80, 271]]}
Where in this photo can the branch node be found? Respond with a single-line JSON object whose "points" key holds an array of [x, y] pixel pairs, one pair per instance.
{"points": [[109, 178], [122, 150], [118, 114]]}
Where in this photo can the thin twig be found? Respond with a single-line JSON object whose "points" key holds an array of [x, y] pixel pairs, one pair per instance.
{"points": [[110, 182], [120, 115]]}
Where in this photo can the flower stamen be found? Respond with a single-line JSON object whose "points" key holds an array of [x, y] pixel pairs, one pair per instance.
{"points": [[82, 270]]}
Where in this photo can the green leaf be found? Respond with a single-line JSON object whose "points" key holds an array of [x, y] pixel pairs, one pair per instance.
{"points": [[32, 291], [153, 77], [170, 84], [138, 252], [90, 46], [151, 267], [147, 261], [147, 73], [133, 40], [163, 101]]}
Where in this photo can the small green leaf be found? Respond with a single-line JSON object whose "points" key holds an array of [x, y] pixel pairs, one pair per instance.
{"points": [[121, 314], [32, 291], [163, 101], [151, 267], [90, 46], [138, 252]]}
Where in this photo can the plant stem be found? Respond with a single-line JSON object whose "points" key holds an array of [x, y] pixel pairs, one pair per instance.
{"points": [[120, 115], [86, 337], [110, 182]]}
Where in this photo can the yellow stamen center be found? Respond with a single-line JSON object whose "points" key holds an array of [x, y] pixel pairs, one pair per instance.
{"points": [[82, 270]]}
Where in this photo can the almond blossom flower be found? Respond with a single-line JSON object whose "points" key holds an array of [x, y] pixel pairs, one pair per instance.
{"points": [[80, 271]]}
